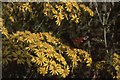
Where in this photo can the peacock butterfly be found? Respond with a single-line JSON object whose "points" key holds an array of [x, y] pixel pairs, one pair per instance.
{"points": [[80, 40], [74, 42]]}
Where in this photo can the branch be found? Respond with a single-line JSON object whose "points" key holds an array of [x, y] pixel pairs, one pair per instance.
{"points": [[105, 40], [89, 43], [99, 15]]}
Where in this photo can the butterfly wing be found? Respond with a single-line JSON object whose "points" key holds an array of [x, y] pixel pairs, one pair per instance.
{"points": [[80, 40]]}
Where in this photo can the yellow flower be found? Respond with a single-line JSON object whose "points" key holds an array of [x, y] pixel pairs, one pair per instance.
{"points": [[66, 71], [82, 52], [39, 52], [64, 62], [18, 33], [83, 6], [116, 64], [40, 60], [68, 6], [46, 4], [33, 59], [27, 32], [46, 10], [20, 38], [37, 36], [75, 5], [70, 53], [117, 67], [4, 31], [49, 63], [30, 47], [39, 44], [49, 53], [11, 18], [59, 17], [48, 46], [86, 57], [87, 9], [6, 57], [60, 8], [62, 48], [19, 57], [116, 55], [58, 56], [77, 20], [48, 37], [89, 61], [53, 62], [54, 11], [29, 39], [74, 61], [42, 70], [55, 69], [25, 7], [66, 15], [74, 17]]}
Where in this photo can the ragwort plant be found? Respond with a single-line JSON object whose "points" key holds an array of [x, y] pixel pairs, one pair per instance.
{"points": [[50, 55]]}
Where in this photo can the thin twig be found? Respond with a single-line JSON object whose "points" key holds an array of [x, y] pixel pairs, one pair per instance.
{"points": [[105, 32], [99, 16], [105, 39], [89, 43], [104, 20], [108, 15]]}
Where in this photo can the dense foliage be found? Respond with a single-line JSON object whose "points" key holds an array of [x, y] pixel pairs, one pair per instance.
{"points": [[38, 40]]}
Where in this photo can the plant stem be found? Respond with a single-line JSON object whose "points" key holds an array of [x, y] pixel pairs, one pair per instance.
{"points": [[89, 43], [99, 15], [105, 39]]}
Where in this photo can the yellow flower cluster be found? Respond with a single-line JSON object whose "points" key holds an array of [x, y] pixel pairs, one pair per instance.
{"points": [[3, 30], [76, 55], [86, 57], [46, 9], [87, 9], [25, 7], [50, 53], [79, 55], [100, 65], [47, 58], [6, 57], [65, 10], [116, 64], [14, 52]]}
